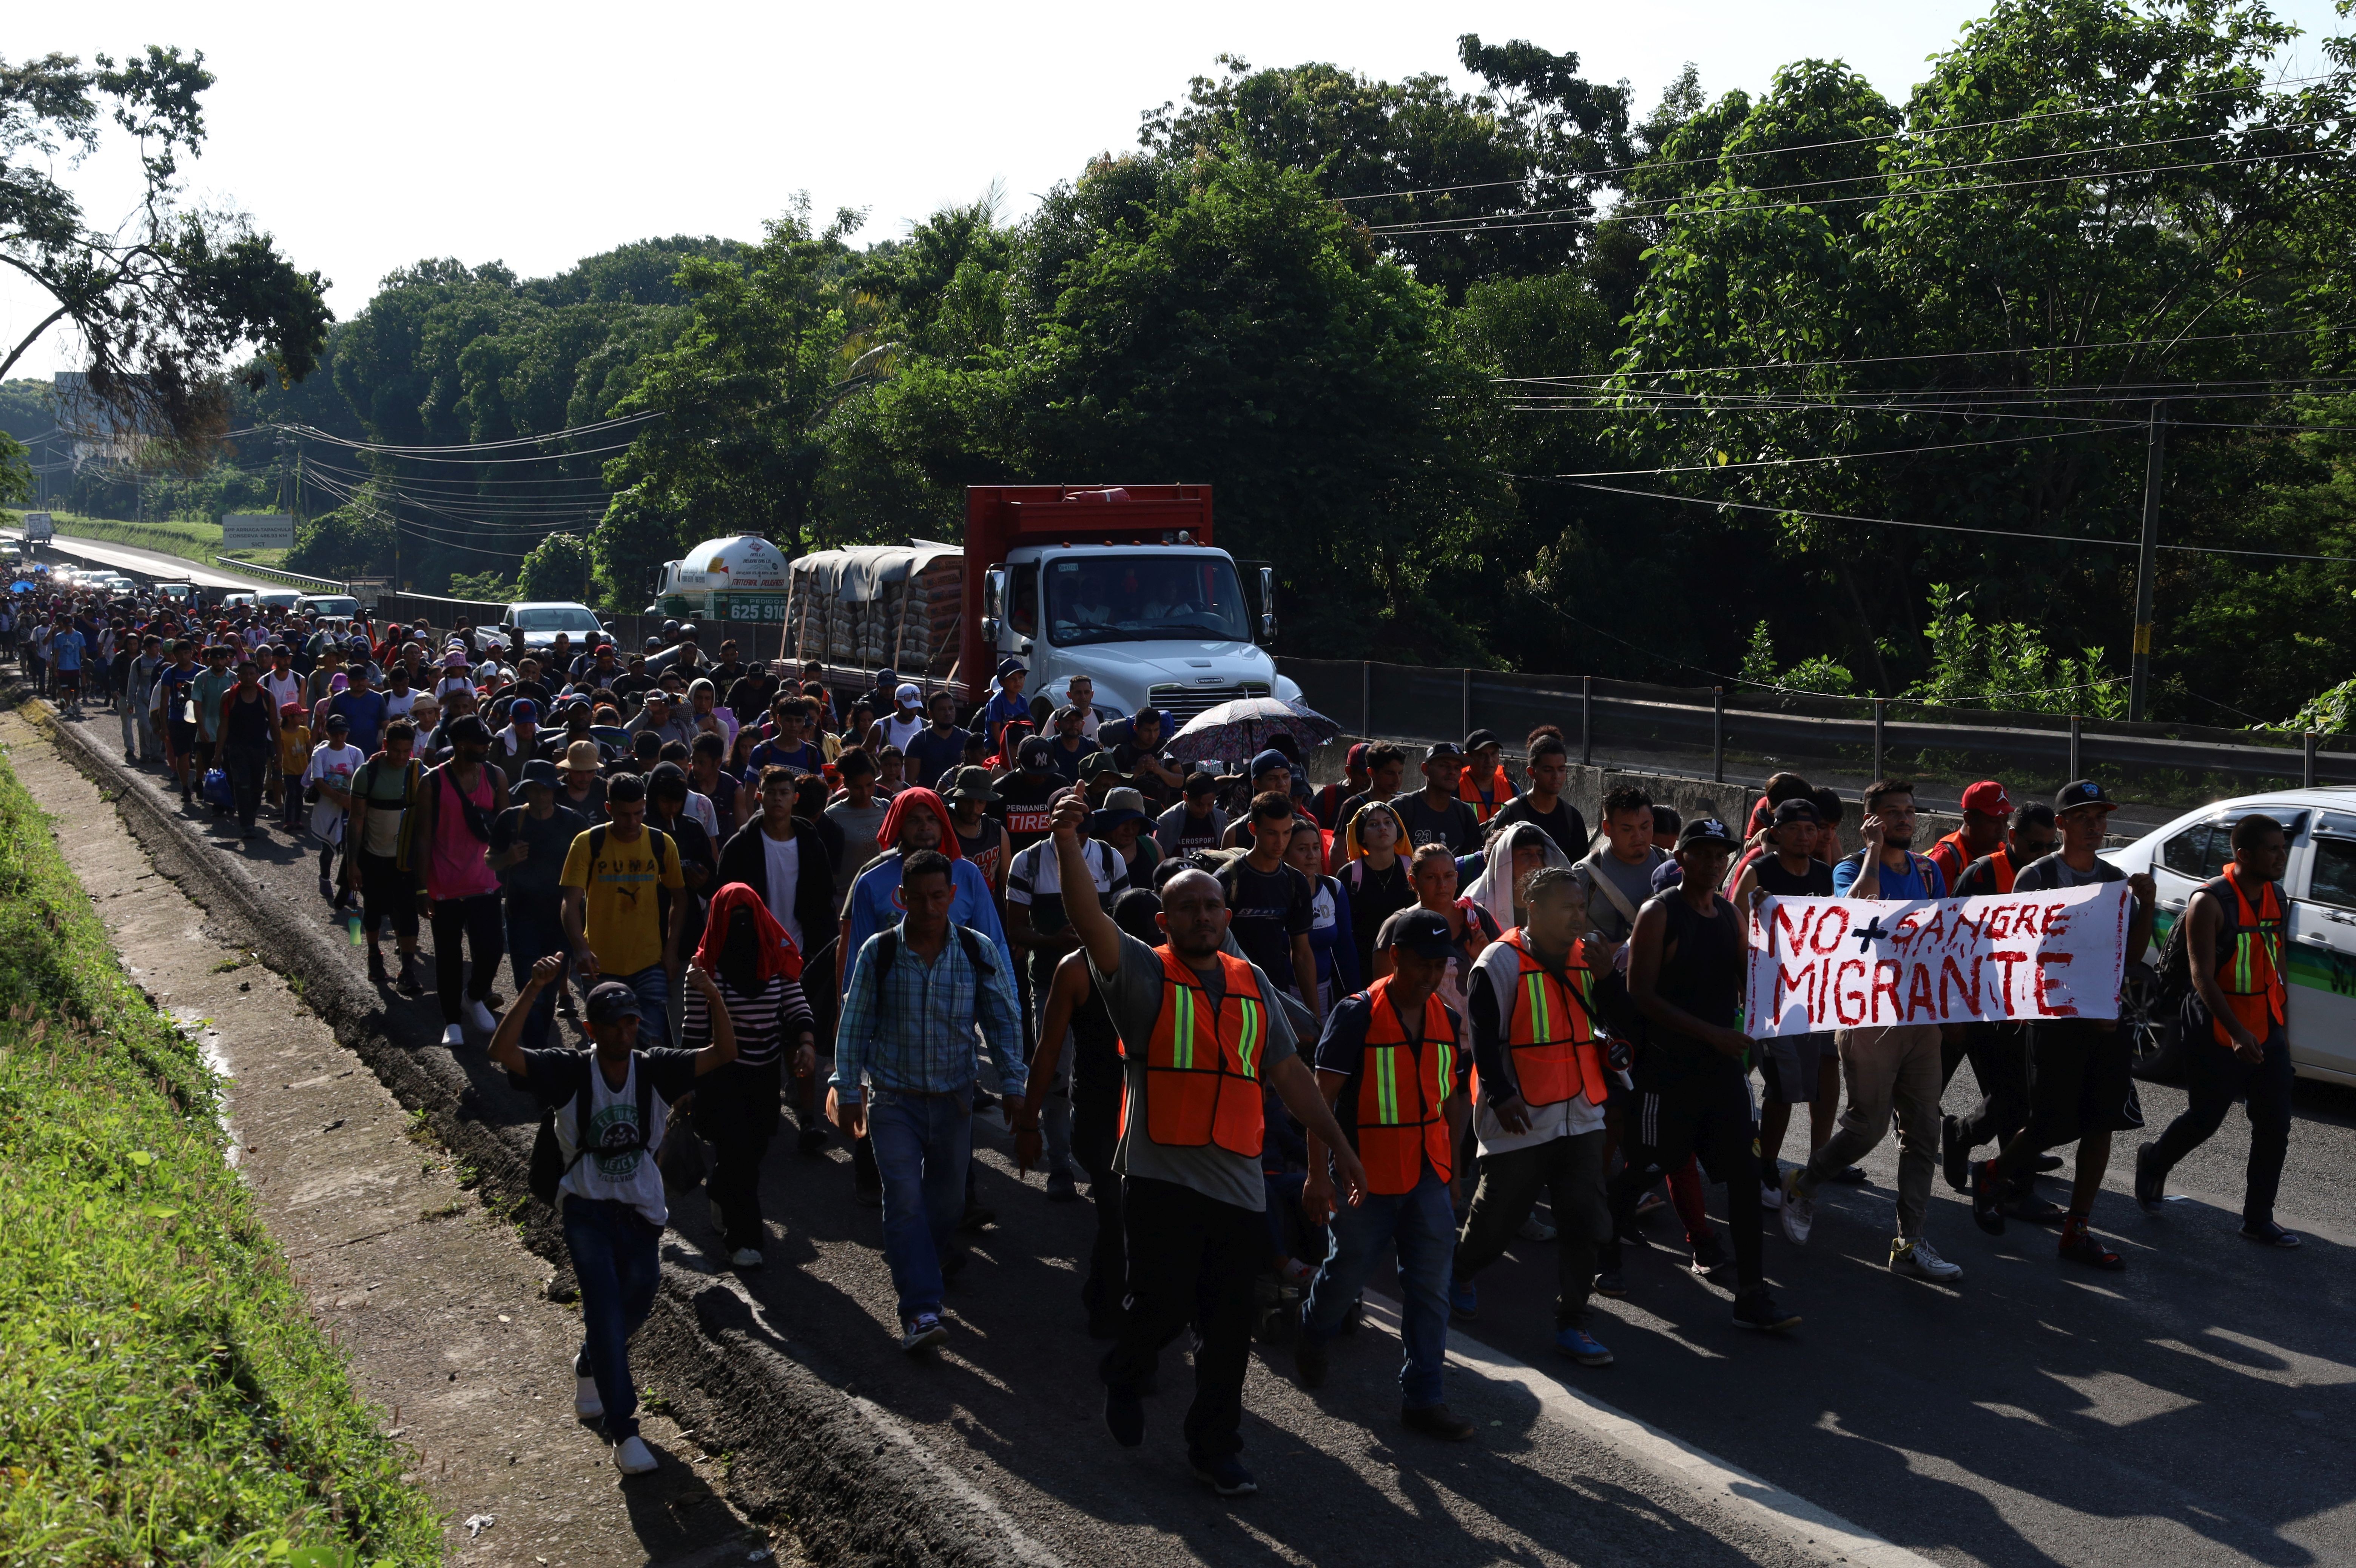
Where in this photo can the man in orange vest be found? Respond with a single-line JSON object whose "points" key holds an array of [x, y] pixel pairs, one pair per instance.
{"points": [[1981, 834], [1539, 1110], [1391, 1062], [1202, 1033], [1484, 785], [2233, 1039]]}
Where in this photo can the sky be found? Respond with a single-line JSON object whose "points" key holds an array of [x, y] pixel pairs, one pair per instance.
{"points": [[369, 137]]}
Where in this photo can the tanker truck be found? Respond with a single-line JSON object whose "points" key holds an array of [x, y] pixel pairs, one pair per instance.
{"points": [[1119, 583], [721, 581]]}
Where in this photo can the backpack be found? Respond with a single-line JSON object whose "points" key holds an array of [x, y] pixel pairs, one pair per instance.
{"points": [[887, 949], [549, 1166], [2174, 964], [218, 792]]}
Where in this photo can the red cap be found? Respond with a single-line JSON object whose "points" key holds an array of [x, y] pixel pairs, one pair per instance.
{"points": [[1986, 797]]}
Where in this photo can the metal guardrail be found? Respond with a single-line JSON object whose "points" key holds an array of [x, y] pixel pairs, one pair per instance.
{"points": [[1705, 731], [291, 579]]}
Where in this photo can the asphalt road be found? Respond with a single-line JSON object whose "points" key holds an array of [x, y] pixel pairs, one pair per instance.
{"points": [[148, 563], [2195, 1409]]}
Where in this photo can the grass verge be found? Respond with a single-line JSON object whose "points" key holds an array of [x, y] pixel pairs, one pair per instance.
{"points": [[164, 1397], [199, 542]]}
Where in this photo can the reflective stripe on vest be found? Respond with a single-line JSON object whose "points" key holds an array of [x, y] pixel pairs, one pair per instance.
{"points": [[1400, 1088], [1470, 793], [1201, 1065], [1551, 1034], [2249, 966]]}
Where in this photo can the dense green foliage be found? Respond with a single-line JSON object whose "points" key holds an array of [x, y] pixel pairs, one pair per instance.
{"points": [[1404, 327], [164, 1397]]}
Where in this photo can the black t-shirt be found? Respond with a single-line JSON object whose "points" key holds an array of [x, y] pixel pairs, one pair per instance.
{"points": [[1454, 824], [1816, 883], [551, 839], [932, 753], [1702, 973], [1024, 799], [1563, 824], [1270, 909], [1374, 896]]}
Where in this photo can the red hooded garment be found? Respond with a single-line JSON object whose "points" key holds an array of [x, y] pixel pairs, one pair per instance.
{"points": [[778, 954], [888, 837]]}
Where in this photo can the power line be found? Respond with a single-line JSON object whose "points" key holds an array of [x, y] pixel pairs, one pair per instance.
{"points": [[1845, 142], [1947, 527], [389, 449], [1837, 456]]}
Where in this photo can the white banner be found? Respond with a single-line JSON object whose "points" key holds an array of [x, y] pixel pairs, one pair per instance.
{"points": [[1824, 964]]}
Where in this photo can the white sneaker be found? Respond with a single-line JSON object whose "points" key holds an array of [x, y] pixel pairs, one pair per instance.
{"points": [[633, 1457], [586, 1403], [1771, 1197], [1918, 1260], [480, 1016], [1799, 1210], [923, 1330], [454, 1038], [745, 1258]]}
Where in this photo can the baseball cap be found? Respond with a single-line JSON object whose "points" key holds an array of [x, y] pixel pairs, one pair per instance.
{"points": [[973, 783], [1357, 756], [526, 709], [1421, 931], [1987, 797], [1792, 811], [2082, 792], [1009, 667], [1267, 759], [1442, 749], [1480, 737], [609, 1002], [908, 696], [1036, 755], [1706, 830], [338, 722]]}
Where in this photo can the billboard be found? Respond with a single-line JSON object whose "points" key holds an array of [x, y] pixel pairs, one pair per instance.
{"points": [[257, 531]]}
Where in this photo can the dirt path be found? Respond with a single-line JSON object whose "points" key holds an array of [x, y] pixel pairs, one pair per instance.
{"points": [[435, 1298]]}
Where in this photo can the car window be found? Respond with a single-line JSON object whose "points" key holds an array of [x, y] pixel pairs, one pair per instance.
{"points": [[2188, 852], [2332, 880]]}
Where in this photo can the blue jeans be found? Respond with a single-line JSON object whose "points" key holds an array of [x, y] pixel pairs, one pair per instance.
{"points": [[533, 932], [616, 1257], [652, 986], [1423, 1223], [922, 1144]]}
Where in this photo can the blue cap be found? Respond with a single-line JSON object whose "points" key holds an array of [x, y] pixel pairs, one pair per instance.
{"points": [[1009, 667], [525, 709], [1271, 758]]}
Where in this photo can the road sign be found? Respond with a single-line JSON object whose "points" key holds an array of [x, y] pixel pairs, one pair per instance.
{"points": [[37, 527], [257, 531]]}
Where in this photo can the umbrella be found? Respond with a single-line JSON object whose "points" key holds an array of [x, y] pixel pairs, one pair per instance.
{"points": [[1238, 728], [20, 586]]}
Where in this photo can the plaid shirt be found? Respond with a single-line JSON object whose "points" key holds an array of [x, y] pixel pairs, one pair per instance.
{"points": [[920, 1040]]}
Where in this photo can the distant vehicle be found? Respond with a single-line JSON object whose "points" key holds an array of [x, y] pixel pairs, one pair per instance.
{"points": [[339, 604], [177, 591], [235, 601], [2319, 943], [38, 529], [536, 622], [278, 598], [741, 578]]}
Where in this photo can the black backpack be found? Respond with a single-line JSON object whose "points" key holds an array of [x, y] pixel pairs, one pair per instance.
{"points": [[887, 949], [549, 1166]]}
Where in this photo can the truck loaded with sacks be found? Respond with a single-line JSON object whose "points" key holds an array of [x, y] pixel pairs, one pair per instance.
{"points": [[1121, 584]]}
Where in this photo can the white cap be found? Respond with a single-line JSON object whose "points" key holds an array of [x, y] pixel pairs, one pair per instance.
{"points": [[908, 696]]}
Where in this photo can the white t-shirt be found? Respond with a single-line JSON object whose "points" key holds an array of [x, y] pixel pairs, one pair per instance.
{"points": [[397, 704], [631, 1176], [450, 683], [283, 688], [699, 807], [785, 877], [335, 766]]}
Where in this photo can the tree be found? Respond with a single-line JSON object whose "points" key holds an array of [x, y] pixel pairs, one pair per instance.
{"points": [[163, 303]]}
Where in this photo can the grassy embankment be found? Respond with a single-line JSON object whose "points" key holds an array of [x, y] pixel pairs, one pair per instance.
{"points": [[165, 1398], [199, 543]]}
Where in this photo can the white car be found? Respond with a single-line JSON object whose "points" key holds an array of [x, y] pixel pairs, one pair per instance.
{"points": [[2320, 954]]}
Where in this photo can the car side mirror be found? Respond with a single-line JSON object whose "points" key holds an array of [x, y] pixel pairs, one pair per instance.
{"points": [[1268, 605]]}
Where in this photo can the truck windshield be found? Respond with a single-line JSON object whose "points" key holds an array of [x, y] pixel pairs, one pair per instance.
{"points": [[1144, 598]]}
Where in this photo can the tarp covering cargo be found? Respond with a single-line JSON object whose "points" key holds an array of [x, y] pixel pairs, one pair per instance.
{"points": [[869, 604]]}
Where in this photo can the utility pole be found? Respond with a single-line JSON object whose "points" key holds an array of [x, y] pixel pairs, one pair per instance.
{"points": [[2154, 452]]}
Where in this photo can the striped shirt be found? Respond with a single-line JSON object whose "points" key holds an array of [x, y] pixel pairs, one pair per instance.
{"points": [[764, 1020]]}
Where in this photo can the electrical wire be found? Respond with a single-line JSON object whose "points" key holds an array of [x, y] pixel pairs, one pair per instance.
{"points": [[1947, 528], [1850, 140], [389, 449], [1834, 456]]}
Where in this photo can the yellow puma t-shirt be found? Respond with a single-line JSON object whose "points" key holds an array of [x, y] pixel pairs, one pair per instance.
{"points": [[623, 919]]}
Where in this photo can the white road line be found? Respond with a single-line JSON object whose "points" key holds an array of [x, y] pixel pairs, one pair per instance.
{"points": [[1818, 1532]]}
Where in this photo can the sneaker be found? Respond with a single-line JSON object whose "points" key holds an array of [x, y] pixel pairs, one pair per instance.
{"points": [[1537, 1230], [2150, 1181], [1061, 1187], [2079, 1246], [1650, 1203], [1582, 1347], [377, 977], [1799, 1210], [2046, 1163], [1296, 1274], [1987, 1193], [586, 1404], [1754, 1308], [2021, 1202], [1918, 1259], [977, 1218], [1770, 1195], [1224, 1476], [633, 1457], [1124, 1417], [454, 1038], [1956, 1155], [1610, 1283], [480, 1016], [2265, 1232], [1463, 1300], [1309, 1360], [1710, 1254], [408, 979], [1436, 1421], [924, 1330], [745, 1258]]}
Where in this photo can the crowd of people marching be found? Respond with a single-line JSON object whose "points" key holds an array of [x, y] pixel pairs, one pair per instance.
{"points": [[1273, 1028]]}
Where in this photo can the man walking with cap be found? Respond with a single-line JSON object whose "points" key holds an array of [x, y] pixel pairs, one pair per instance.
{"points": [[1435, 814], [1484, 785], [2079, 1086], [1391, 1064]]}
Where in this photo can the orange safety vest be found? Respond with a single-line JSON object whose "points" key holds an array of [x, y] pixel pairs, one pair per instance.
{"points": [[1551, 1034], [1397, 1119], [1202, 1064], [2249, 961], [1470, 793]]}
